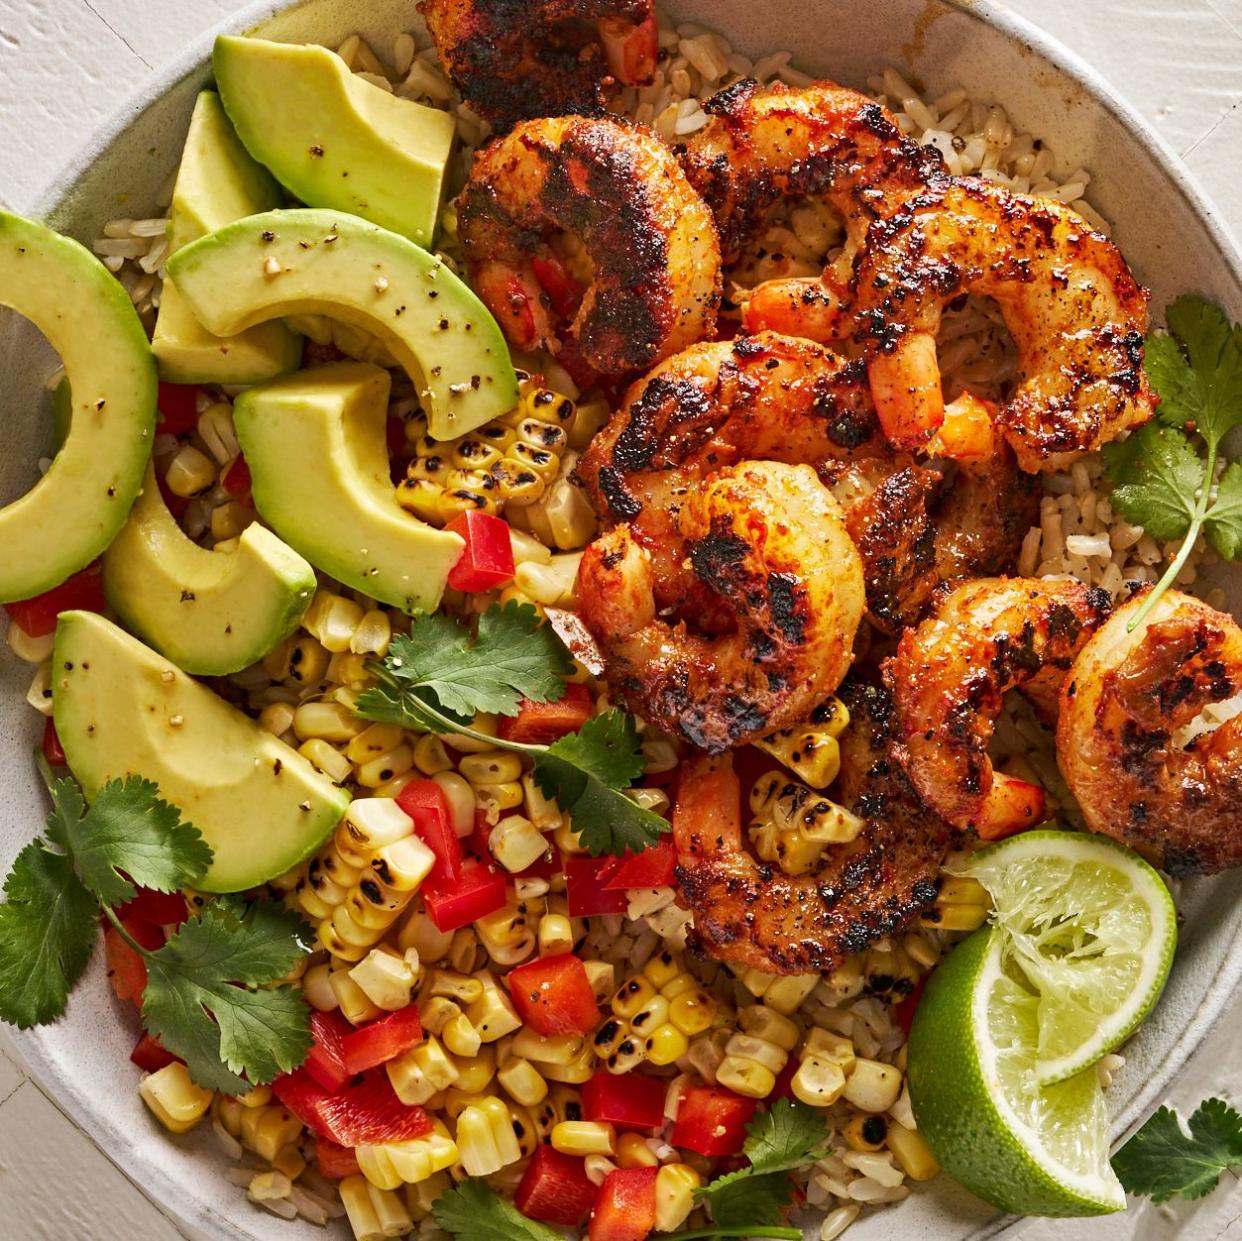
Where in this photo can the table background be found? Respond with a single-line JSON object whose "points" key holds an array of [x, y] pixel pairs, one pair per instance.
{"points": [[66, 64]]}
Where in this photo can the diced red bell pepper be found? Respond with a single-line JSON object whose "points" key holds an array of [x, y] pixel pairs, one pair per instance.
{"points": [[53, 751], [487, 559], [626, 1207], [584, 887], [784, 1083], [150, 1055], [629, 1101], [541, 723], [652, 868], [325, 1061], [712, 1120], [364, 1113], [553, 995], [425, 802], [155, 908], [127, 971], [178, 407], [904, 1010], [83, 592], [382, 1040], [541, 868], [335, 1162], [555, 1188], [237, 481], [479, 891], [555, 279], [394, 434]]}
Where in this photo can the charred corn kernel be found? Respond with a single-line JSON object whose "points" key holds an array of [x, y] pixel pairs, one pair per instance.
{"points": [[492, 1014], [542, 811], [547, 1049], [421, 1072], [819, 1082], [390, 1213], [920, 951], [385, 978], [228, 520], [475, 1071], [189, 472], [782, 994], [631, 996], [373, 634], [552, 584], [39, 695], [386, 767], [332, 763], [461, 987], [173, 1099], [651, 1016], [962, 904], [420, 933], [463, 953], [555, 935], [830, 1046], [332, 619], [846, 981], [491, 767], [317, 989], [516, 842], [793, 824], [747, 1047], [911, 1152], [661, 969], [577, 1071], [811, 752], [584, 1137], [873, 1086], [633, 1152], [277, 718], [29, 650], [356, 1006], [289, 1162], [887, 971], [865, 1132], [655, 800], [675, 1186], [430, 756], [666, 1044], [569, 514], [746, 1077], [350, 673], [325, 721], [370, 823], [507, 934], [461, 800], [373, 742], [495, 799], [692, 1012], [523, 1081], [436, 1012], [401, 866], [371, 909], [766, 1023], [422, 1196], [485, 1138], [600, 974]]}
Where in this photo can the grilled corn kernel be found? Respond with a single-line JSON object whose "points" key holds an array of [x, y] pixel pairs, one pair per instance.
{"points": [[492, 1014], [911, 1152], [317, 988], [460, 1037], [372, 822], [332, 763], [553, 584], [475, 1072], [675, 1185], [746, 1077], [601, 975], [461, 800], [766, 1023], [584, 1137], [308, 661], [373, 634], [515, 842], [830, 1046], [403, 865], [666, 1044], [422, 1196], [277, 718], [420, 933], [577, 1071], [229, 520], [785, 994], [289, 1162], [29, 650], [523, 1081], [633, 1152], [393, 1164], [356, 1006], [692, 1012], [421, 1072], [547, 1049], [506, 934], [464, 988], [491, 767], [189, 472], [873, 1086], [332, 619], [555, 935], [631, 996], [325, 721], [380, 770], [812, 752], [385, 978], [39, 695], [173, 1099], [865, 1132], [373, 742], [819, 1082], [485, 1138], [215, 428], [962, 904], [542, 811], [430, 756]]}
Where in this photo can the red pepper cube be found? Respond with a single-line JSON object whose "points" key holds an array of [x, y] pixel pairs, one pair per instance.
{"points": [[364, 1113], [155, 908], [178, 408], [335, 1162], [626, 1207], [150, 1055], [541, 723], [478, 891], [584, 887], [325, 1061], [83, 592], [712, 1120], [628, 1101], [555, 1188], [426, 803], [53, 751], [652, 868], [382, 1040], [487, 559], [237, 481], [553, 995], [127, 971]]}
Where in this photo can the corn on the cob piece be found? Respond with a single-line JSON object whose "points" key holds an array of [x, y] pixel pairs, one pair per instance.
{"points": [[794, 824], [811, 751], [961, 905]]}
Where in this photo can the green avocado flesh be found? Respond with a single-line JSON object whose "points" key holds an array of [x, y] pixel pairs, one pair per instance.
{"points": [[210, 612], [319, 262], [121, 709], [217, 183], [315, 444], [67, 518], [334, 139]]}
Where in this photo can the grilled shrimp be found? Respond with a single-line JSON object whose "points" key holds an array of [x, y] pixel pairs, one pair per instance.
{"points": [[826, 142], [768, 540], [1076, 314], [1127, 697], [753, 915], [616, 189], [516, 59], [949, 678]]}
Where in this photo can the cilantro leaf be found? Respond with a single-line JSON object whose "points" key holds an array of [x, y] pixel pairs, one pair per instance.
{"points": [[208, 997], [48, 925], [1163, 1161], [584, 774], [476, 1211], [1223, 524], [1201, 386], [751, 1198], [127, 829], [1156, 473]]}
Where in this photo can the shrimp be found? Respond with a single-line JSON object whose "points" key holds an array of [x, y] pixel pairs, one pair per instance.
{"points": [[1119, 743], [1076, 314], [618, 190], [754, 916], [949, 678], [827, 142], [512, 60], [769, 541]]}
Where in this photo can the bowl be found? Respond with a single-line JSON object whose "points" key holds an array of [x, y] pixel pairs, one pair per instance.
{"points": [[1169, 232]]}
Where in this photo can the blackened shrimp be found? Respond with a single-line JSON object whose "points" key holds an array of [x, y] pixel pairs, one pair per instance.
{"points": [[949, 678], [649, 239], [753, 915], [768, 540], [825, 142], [512, 60], [1177, 798], [1076, 314]]}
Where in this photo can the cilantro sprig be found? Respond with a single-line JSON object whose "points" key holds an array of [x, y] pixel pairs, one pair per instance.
{"points": [[1163, 1160], [1165, 474], [209, 995], [440, 675]]}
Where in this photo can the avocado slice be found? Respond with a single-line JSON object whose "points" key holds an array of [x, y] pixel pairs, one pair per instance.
{"points": [[308, 261], [210, 612], [217, 183], [318, 459], [67, 518], [120, 709], [333, 139]]}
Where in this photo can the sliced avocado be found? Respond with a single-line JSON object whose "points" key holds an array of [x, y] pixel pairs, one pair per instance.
{"points": [[318, 262], [67, 518], [120, 709], [334, 139], [318, 462], [62, 413], [210, 612], [217, 183]]}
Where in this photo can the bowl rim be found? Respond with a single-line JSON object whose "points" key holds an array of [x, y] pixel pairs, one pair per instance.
{"points": [[150, 1178]]}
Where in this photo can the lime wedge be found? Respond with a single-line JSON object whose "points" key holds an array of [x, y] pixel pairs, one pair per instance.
{"points": [[1091, 928], [971, 1061]]}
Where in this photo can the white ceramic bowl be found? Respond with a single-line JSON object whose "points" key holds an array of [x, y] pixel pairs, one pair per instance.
{"points": [[1168, 231]]}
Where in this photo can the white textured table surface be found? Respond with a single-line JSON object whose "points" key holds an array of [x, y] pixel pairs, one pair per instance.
{"points": [[66, 64]]}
